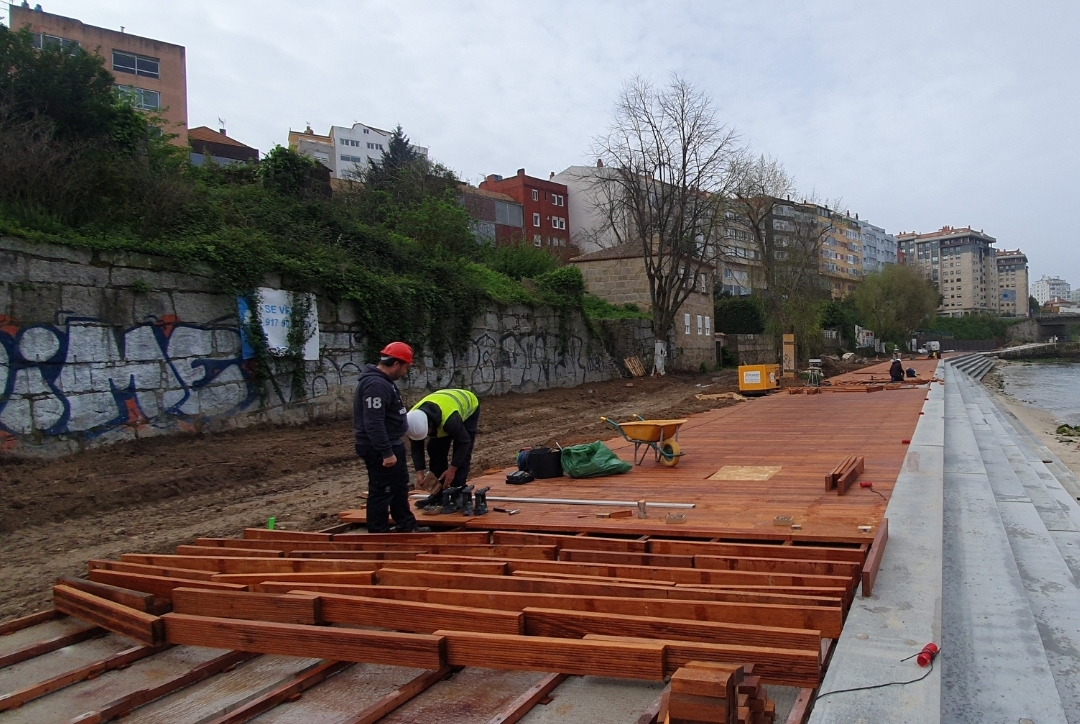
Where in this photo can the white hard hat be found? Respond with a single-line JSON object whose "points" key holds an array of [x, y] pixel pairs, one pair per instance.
{"points": [[418, 425]]}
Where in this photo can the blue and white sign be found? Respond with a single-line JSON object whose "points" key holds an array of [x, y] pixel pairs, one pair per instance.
{"points": [[275, 314]]}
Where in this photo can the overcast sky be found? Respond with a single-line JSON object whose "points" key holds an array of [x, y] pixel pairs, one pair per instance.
{"points": [[917, 114]]}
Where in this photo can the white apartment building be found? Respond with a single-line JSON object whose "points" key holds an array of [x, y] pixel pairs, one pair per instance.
{"points": [[962, 263], [590, 231], [345, 150], [878, 247], [1048, 288]]}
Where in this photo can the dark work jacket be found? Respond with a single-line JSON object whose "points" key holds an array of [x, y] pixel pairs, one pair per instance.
{"points": [[378, 413], [454, 427], [896, 371]]}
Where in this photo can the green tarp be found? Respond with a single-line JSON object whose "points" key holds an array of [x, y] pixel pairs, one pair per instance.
{"points": [[592, 460]]}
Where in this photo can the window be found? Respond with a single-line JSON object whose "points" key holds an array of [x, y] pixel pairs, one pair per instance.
{"points": [[43, 40], [509, 214], [536, 195], [373, 146], [536, 220], [537, 239], [704, 286], [686, 323], [141, 98], [699, 324], [557, 222], [135, 64], [708, 326], [558, 200], [352, 159], [365, 130]]}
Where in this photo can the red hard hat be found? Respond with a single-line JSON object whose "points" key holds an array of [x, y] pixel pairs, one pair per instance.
{"points": [[398, 350]]}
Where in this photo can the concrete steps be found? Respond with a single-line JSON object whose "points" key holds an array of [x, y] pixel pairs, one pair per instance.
{"points": [[975, 365], [1010, 599]]}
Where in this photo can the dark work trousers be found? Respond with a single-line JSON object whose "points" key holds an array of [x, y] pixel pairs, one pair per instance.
{"points": [[438, 450], [388, 493]]}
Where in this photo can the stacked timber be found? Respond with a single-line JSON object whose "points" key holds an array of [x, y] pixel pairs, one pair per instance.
{"points": [[578, 605]]}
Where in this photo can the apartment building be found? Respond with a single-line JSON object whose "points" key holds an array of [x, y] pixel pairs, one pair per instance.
{"points": [[545, 206], [962, 263], [216, 147], [841, 246], [151, 72], [1048, 288], [497, 219], [1012, 283], [345, 150], [878, 247]]}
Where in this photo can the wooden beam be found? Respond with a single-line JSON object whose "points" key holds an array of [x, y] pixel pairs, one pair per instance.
{"points": [[846, 569], [638, 660], [229, 564], [578, 624], [873, 561], [800, 710], [420, 562], [223, 551], [831, 478], [784, 667], [624, 558], [119, 660], [264, 637], [136, 625], [287, 691], [417, 617], [51, 644], [849, 476], [126, 704], [138, 600], [524, 703], [282, 608], [757, 550], [595, 543], [400, 696], [189, 574], [373, 556], [657, 712], [759, 615], [247, 579], [158, 585], [287, 535], [33, 619], [479, 537]]}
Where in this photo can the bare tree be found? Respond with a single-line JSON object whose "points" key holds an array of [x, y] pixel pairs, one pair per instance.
{"points": [[787, 239], [668, 163]]}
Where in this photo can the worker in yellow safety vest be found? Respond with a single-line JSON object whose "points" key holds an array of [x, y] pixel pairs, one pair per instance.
{"points": [[443, 418]]}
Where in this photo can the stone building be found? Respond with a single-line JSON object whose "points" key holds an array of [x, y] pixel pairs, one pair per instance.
{"points": [[617, 275]]}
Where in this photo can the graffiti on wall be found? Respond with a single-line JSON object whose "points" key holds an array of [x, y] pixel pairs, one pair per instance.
{"points": [[82, 376]]}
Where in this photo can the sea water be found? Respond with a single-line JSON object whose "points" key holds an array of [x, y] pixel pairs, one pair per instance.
{"points": [[1050, 386]]}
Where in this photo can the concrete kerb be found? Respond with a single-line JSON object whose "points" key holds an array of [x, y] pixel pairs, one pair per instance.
{"points": [[904, 612]]}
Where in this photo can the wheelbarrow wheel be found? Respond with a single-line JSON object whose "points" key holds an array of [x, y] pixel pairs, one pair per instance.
{"points": [[669, 453]]}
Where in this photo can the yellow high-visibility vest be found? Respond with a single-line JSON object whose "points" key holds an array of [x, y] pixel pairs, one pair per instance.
{"points": [[462, 402]]}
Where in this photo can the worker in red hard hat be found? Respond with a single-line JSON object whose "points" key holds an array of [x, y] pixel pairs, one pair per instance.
{"points": [[379, 423]]}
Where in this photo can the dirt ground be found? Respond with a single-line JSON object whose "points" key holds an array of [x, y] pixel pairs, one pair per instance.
{"points": [[152, 495]]}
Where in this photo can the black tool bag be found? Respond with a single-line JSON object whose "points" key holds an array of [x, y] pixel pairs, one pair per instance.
{"points": [[545, 463], [519, 477]]}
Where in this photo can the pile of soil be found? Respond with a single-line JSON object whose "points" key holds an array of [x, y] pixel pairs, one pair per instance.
{"points": [[151, 495]]}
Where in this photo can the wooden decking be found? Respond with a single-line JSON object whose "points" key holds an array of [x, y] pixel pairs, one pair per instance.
{"points": [[806, 436]]}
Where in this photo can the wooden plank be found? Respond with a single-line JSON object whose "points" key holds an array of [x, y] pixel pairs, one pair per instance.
{"points": [[873, 561], [757, 550], [400, 696], [418, 561], [126, 704], [282, 608], [158, 585], [33, 619], [630, 559], [287, 691], [826, 620], [595, 543], [800, 710], [188, 550], [847, 569], [119, 660], [784, 667], [656, 713], [167, 571], [265, 637], [247, 579], [524, 703], [137, 625], [229, 564], [639, 660], [416, 617], [480, 537], [577, 624], [832, 477], [52, 644], [374, 556], [138, 600], [849, 476], [287, 535]]}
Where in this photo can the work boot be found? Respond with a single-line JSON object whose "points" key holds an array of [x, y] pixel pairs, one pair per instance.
{"points": [[430, 500], [412, 529]]}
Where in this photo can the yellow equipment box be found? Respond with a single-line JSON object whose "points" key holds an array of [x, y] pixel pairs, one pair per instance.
{"points": [[759, 378]]}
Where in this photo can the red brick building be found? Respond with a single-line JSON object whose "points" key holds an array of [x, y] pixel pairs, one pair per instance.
{"points": [[547, 219]]}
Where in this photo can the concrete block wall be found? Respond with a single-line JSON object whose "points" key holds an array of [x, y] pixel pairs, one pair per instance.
{"points": [[98, 347], [619, 281]]}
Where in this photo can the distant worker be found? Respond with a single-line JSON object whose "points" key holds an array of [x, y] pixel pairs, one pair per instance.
{"points": [[379, 422], [442, 418], [896, 371]]}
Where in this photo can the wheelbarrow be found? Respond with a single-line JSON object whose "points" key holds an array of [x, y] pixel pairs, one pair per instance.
{"points": [[661, 436]]}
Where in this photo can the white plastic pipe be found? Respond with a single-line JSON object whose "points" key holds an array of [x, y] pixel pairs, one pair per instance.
{"points": [[575, 501]]}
